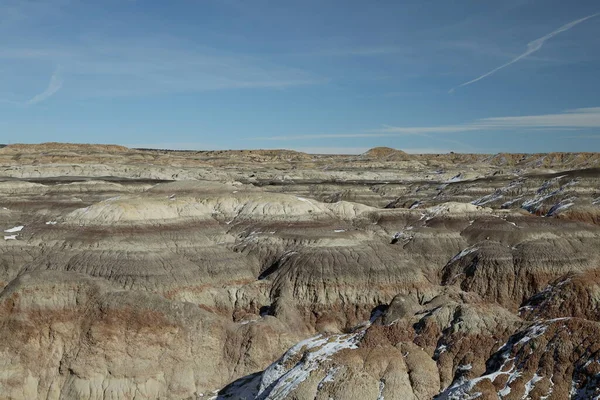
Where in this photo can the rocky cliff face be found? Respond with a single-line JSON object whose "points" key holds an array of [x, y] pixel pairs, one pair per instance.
{"points": [[144, 274]]}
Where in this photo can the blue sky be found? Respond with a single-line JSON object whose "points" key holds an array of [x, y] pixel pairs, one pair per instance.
{"points": [[317, 76]]}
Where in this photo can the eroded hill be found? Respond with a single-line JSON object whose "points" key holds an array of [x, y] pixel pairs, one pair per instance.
{"points": [[148, 274]]}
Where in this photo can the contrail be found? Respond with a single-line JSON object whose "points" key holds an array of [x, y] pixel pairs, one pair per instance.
{"points": [[532, 47], [54, 86]]}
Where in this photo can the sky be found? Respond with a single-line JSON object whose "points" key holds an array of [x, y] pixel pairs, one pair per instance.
{"points": [[317, 76]]}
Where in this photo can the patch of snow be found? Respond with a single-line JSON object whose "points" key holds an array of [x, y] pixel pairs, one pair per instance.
{"points": [[499, 194], [533, 332], [461, 388], [531, 384], [596, 201], [381, 387], [549, 182], [51, 223], [279, 379], [339, 230], [15, 229], [505, 391], [534, 204], [488, 199], [560, 206], [511, 202], [465, 367], [415, 205], [329, 377], [10, 237], [463, 253], [455, 178]]}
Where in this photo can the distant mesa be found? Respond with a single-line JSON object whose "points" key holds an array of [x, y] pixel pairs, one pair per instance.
{"points": [[387, 154], [55, 146]]}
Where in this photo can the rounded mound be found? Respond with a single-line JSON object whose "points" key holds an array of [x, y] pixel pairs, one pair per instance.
{"points": [[387, 153]]}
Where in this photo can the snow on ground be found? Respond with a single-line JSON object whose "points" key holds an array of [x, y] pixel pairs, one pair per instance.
{"points": [[418, 203], [463, 253], [461, 389], [560, 206], [488, 199], [10, 237], [455, 178], [511, 202], [534, 204], [498, 194], [381, 387], [586, 388], [15, 229], [279, 379], [442, 348], [330, 377], [297, 364], [531, 384], [51, 223]]}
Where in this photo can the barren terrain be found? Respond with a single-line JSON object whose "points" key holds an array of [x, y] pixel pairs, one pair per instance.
{"points": [[272, 274]]}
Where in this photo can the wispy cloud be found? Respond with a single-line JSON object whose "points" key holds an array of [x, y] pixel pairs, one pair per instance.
{"points": [[367, 51], [532, 47], [156, 66], [581, 118], [54, 86], [386, 131], [581, 137]]}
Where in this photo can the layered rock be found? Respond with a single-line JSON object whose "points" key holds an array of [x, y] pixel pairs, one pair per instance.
{"points": [[273, 274]]}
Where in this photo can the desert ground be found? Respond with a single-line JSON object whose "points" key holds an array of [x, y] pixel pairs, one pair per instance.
{"points": [[274, 274]]}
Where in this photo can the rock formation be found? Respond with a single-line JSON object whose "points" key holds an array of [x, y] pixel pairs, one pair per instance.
{"points": [[146, 274]]}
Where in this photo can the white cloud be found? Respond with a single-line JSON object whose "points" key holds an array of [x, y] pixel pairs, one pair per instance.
{"points": [[532, 47], [53, 86], [571, 119], [582, 118], [111, 67]]}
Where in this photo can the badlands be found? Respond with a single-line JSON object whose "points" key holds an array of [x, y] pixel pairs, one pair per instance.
{"points": [[266, 274]]}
